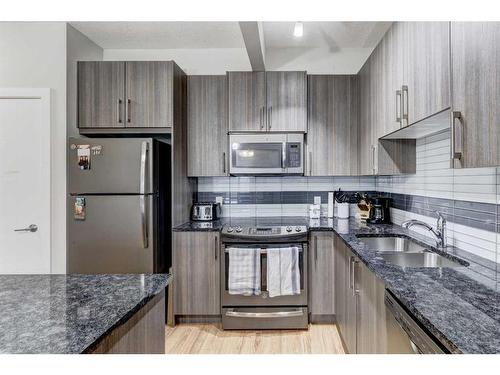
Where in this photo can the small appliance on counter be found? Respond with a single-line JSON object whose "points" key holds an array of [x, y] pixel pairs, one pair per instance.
{"points": [[379, 210], [205, 211]]}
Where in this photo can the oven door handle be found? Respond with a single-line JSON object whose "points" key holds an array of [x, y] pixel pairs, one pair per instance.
{"points": [[275, 314]]}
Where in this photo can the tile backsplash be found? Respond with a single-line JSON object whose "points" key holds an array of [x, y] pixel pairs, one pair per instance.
{"points": [[469, 198]]}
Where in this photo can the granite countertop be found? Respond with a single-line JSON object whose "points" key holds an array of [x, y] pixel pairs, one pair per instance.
{"points": [[69, 313], [459, 306]]}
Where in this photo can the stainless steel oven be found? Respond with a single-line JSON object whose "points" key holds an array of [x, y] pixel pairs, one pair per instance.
{"points": [[269, 154], [262, 311]]}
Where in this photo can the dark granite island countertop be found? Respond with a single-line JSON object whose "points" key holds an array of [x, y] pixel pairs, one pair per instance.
{"points": [[69, 313]]}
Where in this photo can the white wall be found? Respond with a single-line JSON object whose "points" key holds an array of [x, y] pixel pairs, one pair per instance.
{"points": [[192, 61], [79, 48], [33, 54], [317, 60]]}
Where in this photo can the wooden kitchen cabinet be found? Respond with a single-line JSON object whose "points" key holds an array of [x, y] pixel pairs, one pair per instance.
{"points": [[129, 97], [267, 101], [286, 98], [196, 271], [149, 94], [333, 120], [101, 94], [371, 333], [321, 277], [475, 62], [207, 126], [359, 303], [426, 69], [247, 101]]}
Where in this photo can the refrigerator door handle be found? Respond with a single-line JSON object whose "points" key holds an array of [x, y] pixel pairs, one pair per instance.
{"points": [[142, 191]]}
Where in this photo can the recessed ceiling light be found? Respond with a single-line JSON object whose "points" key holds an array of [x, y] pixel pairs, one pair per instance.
{"points": [[298, 30]]}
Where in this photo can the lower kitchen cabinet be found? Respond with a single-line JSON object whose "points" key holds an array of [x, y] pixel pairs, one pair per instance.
{"points": [[321, 277], [359, 301], [196, 272]]}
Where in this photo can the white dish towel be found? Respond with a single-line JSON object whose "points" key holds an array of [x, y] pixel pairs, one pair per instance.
{"points": [[283, 273], [244, 271]]}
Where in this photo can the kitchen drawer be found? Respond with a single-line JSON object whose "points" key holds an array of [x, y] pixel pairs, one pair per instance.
{"points": [[265, 318]]}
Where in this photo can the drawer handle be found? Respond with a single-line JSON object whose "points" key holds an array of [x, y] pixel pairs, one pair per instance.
{"points": [[456, 152], [259, 315]]}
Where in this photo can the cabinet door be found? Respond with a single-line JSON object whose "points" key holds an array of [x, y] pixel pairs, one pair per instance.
{"points": [[333, 118], [426, 69], [149, 89], [341, 283], [101, 92], [365, 143], [197, 273], [321, 274], [371, 332], [391, 47], [207, 126], [286, 101], [247, 101], [475, 57]]}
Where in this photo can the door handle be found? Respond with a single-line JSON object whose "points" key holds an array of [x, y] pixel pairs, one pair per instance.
{"points": [[262, 115], [404, 93], [456, 154], [275, 314], [118, 111], [31, 228], [128, 105], [315, 251], [354, 290], [310, 163], [224, 162], [398, 104], [374, 169], [142, 191], [216, 247], [350, 271], [269, 117], [283, 156]]}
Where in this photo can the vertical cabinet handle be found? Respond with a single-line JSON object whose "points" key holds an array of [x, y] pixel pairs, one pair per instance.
{"points": [[216, 247], [224, 162], [404, 104], [315, 251], [119, 111], [269, 117], [374, 169], [127, 109], [351, 259], [310, 163], [353, 274], [398, 106], [262, 117], [456, 152]]}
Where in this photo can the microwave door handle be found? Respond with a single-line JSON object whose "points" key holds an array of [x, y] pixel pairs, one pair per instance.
{"points": [[283, 156]]}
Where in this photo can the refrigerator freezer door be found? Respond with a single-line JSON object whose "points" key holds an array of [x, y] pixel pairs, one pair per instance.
{"points": [[116, 166], [110, 234]]}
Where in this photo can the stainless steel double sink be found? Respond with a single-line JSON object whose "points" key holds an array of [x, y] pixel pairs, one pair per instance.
{"points": [[404, 252]]}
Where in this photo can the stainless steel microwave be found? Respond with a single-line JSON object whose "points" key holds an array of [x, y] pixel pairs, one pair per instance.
{"points": [[268, 154]]}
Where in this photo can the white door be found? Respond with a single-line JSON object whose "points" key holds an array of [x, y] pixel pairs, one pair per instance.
{"points": [[25, 181]]}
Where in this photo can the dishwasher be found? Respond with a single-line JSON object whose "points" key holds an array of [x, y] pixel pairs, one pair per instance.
{"points": [[404, 334]]}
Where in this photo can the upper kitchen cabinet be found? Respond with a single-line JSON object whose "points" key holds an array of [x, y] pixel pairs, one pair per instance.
{"points": [[267, 101], [475, 59], [333, 119], [101, 94], [207, 126], [247, 101], [286, 101], [128, 97], [426, 88], [149, 94]]}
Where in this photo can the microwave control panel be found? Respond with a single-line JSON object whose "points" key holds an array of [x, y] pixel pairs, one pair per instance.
{"points": [[293, 155]]}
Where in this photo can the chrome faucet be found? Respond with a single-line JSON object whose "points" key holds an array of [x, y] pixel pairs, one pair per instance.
{"points": [[439, 232]]}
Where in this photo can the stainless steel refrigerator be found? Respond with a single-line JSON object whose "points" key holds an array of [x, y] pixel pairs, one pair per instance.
{"points": [[119, 215]]}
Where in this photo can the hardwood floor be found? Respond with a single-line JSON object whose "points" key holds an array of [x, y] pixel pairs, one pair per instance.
{"points": [[211, 339]]}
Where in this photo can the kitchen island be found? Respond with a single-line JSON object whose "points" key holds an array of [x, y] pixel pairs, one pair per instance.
{"points": [[82, 313]]}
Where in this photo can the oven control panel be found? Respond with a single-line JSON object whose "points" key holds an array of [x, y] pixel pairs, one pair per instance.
{"points": [[264, 231]]}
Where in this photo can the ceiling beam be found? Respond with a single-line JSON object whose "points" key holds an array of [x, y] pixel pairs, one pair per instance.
{"points": [[253, 37]]}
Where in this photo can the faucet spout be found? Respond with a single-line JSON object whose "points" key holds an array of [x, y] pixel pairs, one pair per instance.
{"points": [[439, 233]]}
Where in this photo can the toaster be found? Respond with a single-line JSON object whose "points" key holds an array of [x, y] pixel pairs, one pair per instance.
{"points": [[201, 211]]}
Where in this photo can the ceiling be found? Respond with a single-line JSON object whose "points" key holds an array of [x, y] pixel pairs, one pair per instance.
{"points": [[332, 35], [187, 35], [162, 35]]}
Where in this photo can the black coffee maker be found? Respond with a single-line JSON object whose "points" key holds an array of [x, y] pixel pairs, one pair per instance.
{"points": [[379, 212]]}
